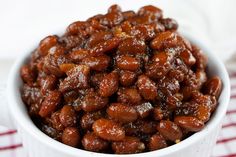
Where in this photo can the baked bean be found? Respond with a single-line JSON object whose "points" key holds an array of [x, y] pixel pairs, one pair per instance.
{"points": [[92, 102], [122, 113], [94, 143], [31, 95], [169, 24], [98, 37], [71, 136], [160, 65], [46, 44], [112, 19], [108, 130], [164, 40], [89, 118], [67, 67], [128, 14], [114, 8], [105, 47], [78, 55], [72, 42], [150, 10], [51, 132], [99, 63], [203, 112], [144, 109], [48, 84], [147, 87], [127, 63], [79, 27], [189, 123], [97, 78], [128, 145], [213, 86], [129, 96], [50, 103], [140, 127], [109, 84], [56, 122], [127, 78], [187, 57], [132, 46], [27, 74], [158, 113], [68, 116], [170, 130], [173, 102], [145, 32], [77, 78], [157, 142]]}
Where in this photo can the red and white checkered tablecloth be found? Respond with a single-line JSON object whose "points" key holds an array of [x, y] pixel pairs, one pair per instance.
{"points": [[10, 143]]}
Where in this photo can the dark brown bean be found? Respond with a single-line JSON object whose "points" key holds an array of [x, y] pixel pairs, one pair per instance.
{"points": [[88, 119], [48, 84], [129, 96], [163, 40], [79, 27], [50, 103], [109, 84], [127, 63], [98, 37], [147, 87], [94, 143], [132, 46], [128, 145], [31, 95], [68, 116], [56, 122], [66, 67], [46, 44], [108, 130], [71, 136], [189, 123], [160, 65], [27, 74], [169, 24], [213, 86], [78, 55], [150, 10], [92, 102], [169, 130], [114, 8], [127, 78], [145, 32], [105, 47], [77, 78], [144, 109], [187, 57], [99, 63], [122, 113], [157, 142]]}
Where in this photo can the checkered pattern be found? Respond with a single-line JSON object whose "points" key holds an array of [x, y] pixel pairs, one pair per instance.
{"points": [[10, 144]]}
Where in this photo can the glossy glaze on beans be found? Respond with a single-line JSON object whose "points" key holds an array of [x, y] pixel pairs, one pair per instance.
{"points": [[124, 82]]}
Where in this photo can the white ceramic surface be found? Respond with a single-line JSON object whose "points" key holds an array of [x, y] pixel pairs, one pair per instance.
{"points": [[38, 144]]}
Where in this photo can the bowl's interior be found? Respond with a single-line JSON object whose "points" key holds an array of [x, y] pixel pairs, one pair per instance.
{"points": [[19, 112]]}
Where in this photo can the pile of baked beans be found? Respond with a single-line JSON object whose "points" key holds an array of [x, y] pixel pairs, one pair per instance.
{"points": [[124, 82]]}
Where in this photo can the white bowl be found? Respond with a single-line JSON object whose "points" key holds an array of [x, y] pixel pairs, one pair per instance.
{"points": [[37, 144]]}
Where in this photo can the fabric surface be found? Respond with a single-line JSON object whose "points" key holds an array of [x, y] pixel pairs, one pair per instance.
{"points": [[10, 143]]}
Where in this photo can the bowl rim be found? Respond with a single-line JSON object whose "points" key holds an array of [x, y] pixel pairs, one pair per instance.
{"points": [[21, 118]]}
